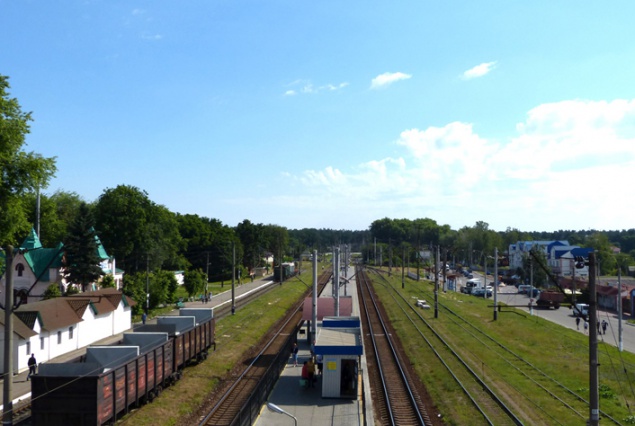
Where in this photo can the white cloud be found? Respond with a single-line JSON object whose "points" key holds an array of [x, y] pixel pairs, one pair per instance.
{"points": [[479, 70], [307, 87], [388, 78], [564, 167], [152, 37]]}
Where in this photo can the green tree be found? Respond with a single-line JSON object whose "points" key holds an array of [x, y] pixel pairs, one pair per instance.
{"points": [[52, 292], [277, 239], [81, 257], [139, 233], [20, 172], [134, 286], [108, 281], [194, 282], [57, 213], [162, 288], [251, 238]]}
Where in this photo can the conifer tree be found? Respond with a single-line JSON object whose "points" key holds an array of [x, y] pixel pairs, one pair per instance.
{"points": [[81, 258]]}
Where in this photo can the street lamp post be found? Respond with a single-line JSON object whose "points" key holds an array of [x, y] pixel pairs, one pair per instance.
{"points": [[276, 409]]}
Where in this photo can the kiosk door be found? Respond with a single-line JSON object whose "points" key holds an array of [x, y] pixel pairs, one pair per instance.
{"points": [[348, 379]]}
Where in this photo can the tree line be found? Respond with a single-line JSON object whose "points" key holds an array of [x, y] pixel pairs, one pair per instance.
{"points": [[150, 241]]}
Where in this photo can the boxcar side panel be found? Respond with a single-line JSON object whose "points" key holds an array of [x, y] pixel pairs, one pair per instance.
{"points": [[141, 375], [105, 398], [131, 382], [150, 371], [120, 390]]}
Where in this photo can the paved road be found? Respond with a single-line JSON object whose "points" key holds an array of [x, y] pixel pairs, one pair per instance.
{"points": [[564, 315]]}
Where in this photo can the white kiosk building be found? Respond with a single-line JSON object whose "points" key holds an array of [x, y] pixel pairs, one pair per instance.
{"points": [[339, 346]]}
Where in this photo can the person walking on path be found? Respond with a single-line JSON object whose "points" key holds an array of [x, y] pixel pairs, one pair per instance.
{"points": [[294, 354], [32, 366], [586, 327], [577, 322], [604, 325], [144, 317]]}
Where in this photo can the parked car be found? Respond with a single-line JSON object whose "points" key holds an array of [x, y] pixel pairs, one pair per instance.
{"points": [[524, 289], [481, 292]]}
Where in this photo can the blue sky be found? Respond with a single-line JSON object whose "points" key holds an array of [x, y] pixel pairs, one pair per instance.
{"points": [[334, 114]]}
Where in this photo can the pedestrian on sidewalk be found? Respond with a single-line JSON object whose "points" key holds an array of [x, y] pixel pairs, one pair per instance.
{"points": [[586, 327], [32, 366], [144, 317], [577, 322], [604, 325]]}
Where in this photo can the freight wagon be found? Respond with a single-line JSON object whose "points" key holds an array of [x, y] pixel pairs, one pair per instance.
{"points": [[111, 380], [288, 270], [550, 298]]}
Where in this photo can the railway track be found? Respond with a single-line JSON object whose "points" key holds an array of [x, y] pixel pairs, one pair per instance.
{"points": [[534, 381], [482, 397], [22, 410], [227, 407], [395, 398]]}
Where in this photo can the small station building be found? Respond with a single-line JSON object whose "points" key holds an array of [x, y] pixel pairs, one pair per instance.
{"points": [[339, 347]]}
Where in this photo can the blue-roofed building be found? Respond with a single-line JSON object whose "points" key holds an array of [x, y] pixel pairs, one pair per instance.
{"points": [[560, 256]]}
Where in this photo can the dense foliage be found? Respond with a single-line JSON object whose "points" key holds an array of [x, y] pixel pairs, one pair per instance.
{"points": [[20, 172]]}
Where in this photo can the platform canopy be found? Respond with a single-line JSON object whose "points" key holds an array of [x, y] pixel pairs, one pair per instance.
{"points": [[326, 307]]}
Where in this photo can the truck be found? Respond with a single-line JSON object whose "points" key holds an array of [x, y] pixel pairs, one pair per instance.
{"points": [[581, 310], [470, 285], [550, 298]]}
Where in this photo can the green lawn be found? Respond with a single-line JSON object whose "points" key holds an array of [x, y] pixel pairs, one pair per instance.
{"points": [[559, 352]]}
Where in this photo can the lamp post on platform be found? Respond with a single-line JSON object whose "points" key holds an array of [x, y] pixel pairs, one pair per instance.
{"points": [[274, 408]]}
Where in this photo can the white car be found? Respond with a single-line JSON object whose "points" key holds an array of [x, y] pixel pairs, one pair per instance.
{"points": [[422, 304]]}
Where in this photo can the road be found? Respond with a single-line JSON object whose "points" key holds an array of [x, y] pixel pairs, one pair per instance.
{"points": [[564, 316]]}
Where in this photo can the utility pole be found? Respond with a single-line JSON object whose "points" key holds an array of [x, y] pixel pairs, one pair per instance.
{"points": [[233, 277], [314, 298], [7, 414], [336, 281], [375, 258], [531, 284], [594, 393], [619, 309], [147, 284], [207, 276], [403, 261], [495, 283], [436, 283]]}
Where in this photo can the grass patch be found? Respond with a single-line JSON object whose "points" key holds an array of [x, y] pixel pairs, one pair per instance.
{"points": [[559, 352]]}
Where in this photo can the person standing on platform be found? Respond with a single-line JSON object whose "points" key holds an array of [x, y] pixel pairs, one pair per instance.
{"points": [[310, 367], [318, 359], [294, 354], [32, 363]]}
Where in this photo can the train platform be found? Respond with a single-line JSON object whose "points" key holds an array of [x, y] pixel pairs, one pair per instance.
{"points": [[306, 405]]}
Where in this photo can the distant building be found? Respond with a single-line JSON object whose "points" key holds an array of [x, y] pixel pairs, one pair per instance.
{"points": [[35, 268], [50, 328], [560, 256]]}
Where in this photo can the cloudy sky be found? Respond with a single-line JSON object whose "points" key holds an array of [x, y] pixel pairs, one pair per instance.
{"points": [[334, 114]]}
